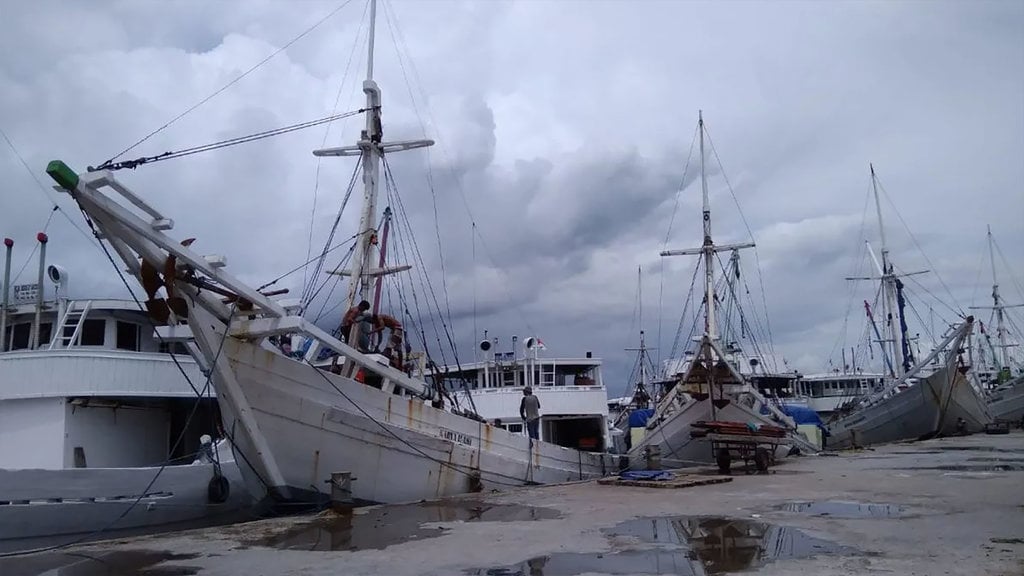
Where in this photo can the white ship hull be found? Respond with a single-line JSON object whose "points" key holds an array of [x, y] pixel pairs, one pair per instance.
{"points": [[39, 505], [672, 436], [397, 448]]}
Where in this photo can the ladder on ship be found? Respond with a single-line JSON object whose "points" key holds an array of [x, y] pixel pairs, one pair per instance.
{"points": [[69, 331]]}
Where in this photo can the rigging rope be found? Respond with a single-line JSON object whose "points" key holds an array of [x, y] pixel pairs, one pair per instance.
{"points": [[450, 164], [327, 132], [307, 292], [48, 192], [110, 165], [229, 84], [757, 257], [668, 233]]}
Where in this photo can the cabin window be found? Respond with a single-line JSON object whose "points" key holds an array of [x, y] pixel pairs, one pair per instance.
{"points": [[18, 336], [93, 332], [176, 348], [45, 331], [515, 428], [127, 336]]}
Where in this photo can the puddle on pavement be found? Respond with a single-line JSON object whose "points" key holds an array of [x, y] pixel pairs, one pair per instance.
{"points": [[688, 546], [837, 509], [381, 527], [990, 467], [123, 563]]}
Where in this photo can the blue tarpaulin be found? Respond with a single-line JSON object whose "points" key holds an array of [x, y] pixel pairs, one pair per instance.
{"points": [[802, 415], [646, 475], [639, 418]]}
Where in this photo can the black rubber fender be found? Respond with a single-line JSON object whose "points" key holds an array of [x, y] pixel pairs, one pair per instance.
{"points": [[218, 490]]}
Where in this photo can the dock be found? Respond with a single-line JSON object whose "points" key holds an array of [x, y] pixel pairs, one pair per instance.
{"points": [[951, 506]]}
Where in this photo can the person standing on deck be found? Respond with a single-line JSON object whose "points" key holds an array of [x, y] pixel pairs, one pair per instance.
{"points": [[358, 314], [529, 410]]}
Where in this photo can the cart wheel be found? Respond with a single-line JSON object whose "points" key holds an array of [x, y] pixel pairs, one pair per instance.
{"points": [[761, 459], [724, 460]]}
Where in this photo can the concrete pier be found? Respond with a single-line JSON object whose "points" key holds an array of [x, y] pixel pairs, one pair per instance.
{"points": [[951, 506]]}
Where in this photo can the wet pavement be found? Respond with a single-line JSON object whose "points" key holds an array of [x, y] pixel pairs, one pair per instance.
{"points": [[383, 526], [845, 509], [691, 546], [945, 507]]}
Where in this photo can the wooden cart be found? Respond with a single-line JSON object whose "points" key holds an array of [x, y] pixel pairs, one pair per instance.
{"points": [[755, 448]]}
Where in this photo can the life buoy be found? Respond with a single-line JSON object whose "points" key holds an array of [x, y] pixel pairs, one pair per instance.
{"points": [[360, 376]]}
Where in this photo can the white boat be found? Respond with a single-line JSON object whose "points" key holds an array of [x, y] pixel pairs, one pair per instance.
{"points": [[708, 385], [99, 429], [919, 398], [572, 395], [1003, 380], [293, 424], [827, 392]]}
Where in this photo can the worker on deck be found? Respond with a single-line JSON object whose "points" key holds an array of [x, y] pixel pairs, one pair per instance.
{"points": [[529, 410], [358, 314], [382, 321]]}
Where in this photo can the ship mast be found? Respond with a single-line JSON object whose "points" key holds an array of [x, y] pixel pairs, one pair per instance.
{"points": [[888, 286], [707, 251], [371, 149], [999, 307]]}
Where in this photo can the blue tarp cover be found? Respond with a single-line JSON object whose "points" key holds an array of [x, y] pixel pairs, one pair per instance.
{"points": [[802, 415], [646, 475], [639, 418]]}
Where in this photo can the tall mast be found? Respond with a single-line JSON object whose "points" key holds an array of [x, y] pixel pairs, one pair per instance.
{"points": [[888, 286], [359, 284], [370, 148], [708, 247], [997, 305]]}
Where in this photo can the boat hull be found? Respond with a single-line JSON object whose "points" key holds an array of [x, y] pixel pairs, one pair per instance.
{"points": [[397, 448], [929, 407], [39, 505], [1007, 402], [672, 436]]}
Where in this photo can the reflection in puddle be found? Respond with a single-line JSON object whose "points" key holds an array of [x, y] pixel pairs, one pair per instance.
{"points": [[124, 563], [682, 545], [383, 526], [845, 509]]}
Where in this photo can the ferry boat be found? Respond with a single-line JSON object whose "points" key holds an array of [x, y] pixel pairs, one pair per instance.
{"points": [[99, 428], [573, 399], [826, 392]]}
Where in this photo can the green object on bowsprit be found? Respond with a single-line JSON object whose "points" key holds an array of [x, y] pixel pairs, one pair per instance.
{"points": [[63, 175]]}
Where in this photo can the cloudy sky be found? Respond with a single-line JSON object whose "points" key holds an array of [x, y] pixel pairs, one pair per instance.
{"points": [[563, 130]]}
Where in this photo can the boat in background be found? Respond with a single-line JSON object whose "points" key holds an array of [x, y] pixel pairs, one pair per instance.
{"points": [[827, 392], [101, 431], [920, 398], [707, 383], [572, 394], [1000, 373]]}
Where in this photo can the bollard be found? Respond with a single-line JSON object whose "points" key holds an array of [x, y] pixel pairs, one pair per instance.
{"points": [[653, 455], [341, 491]]}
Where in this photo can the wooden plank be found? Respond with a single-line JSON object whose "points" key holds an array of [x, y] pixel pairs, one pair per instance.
{"points": [[679, 480]]}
